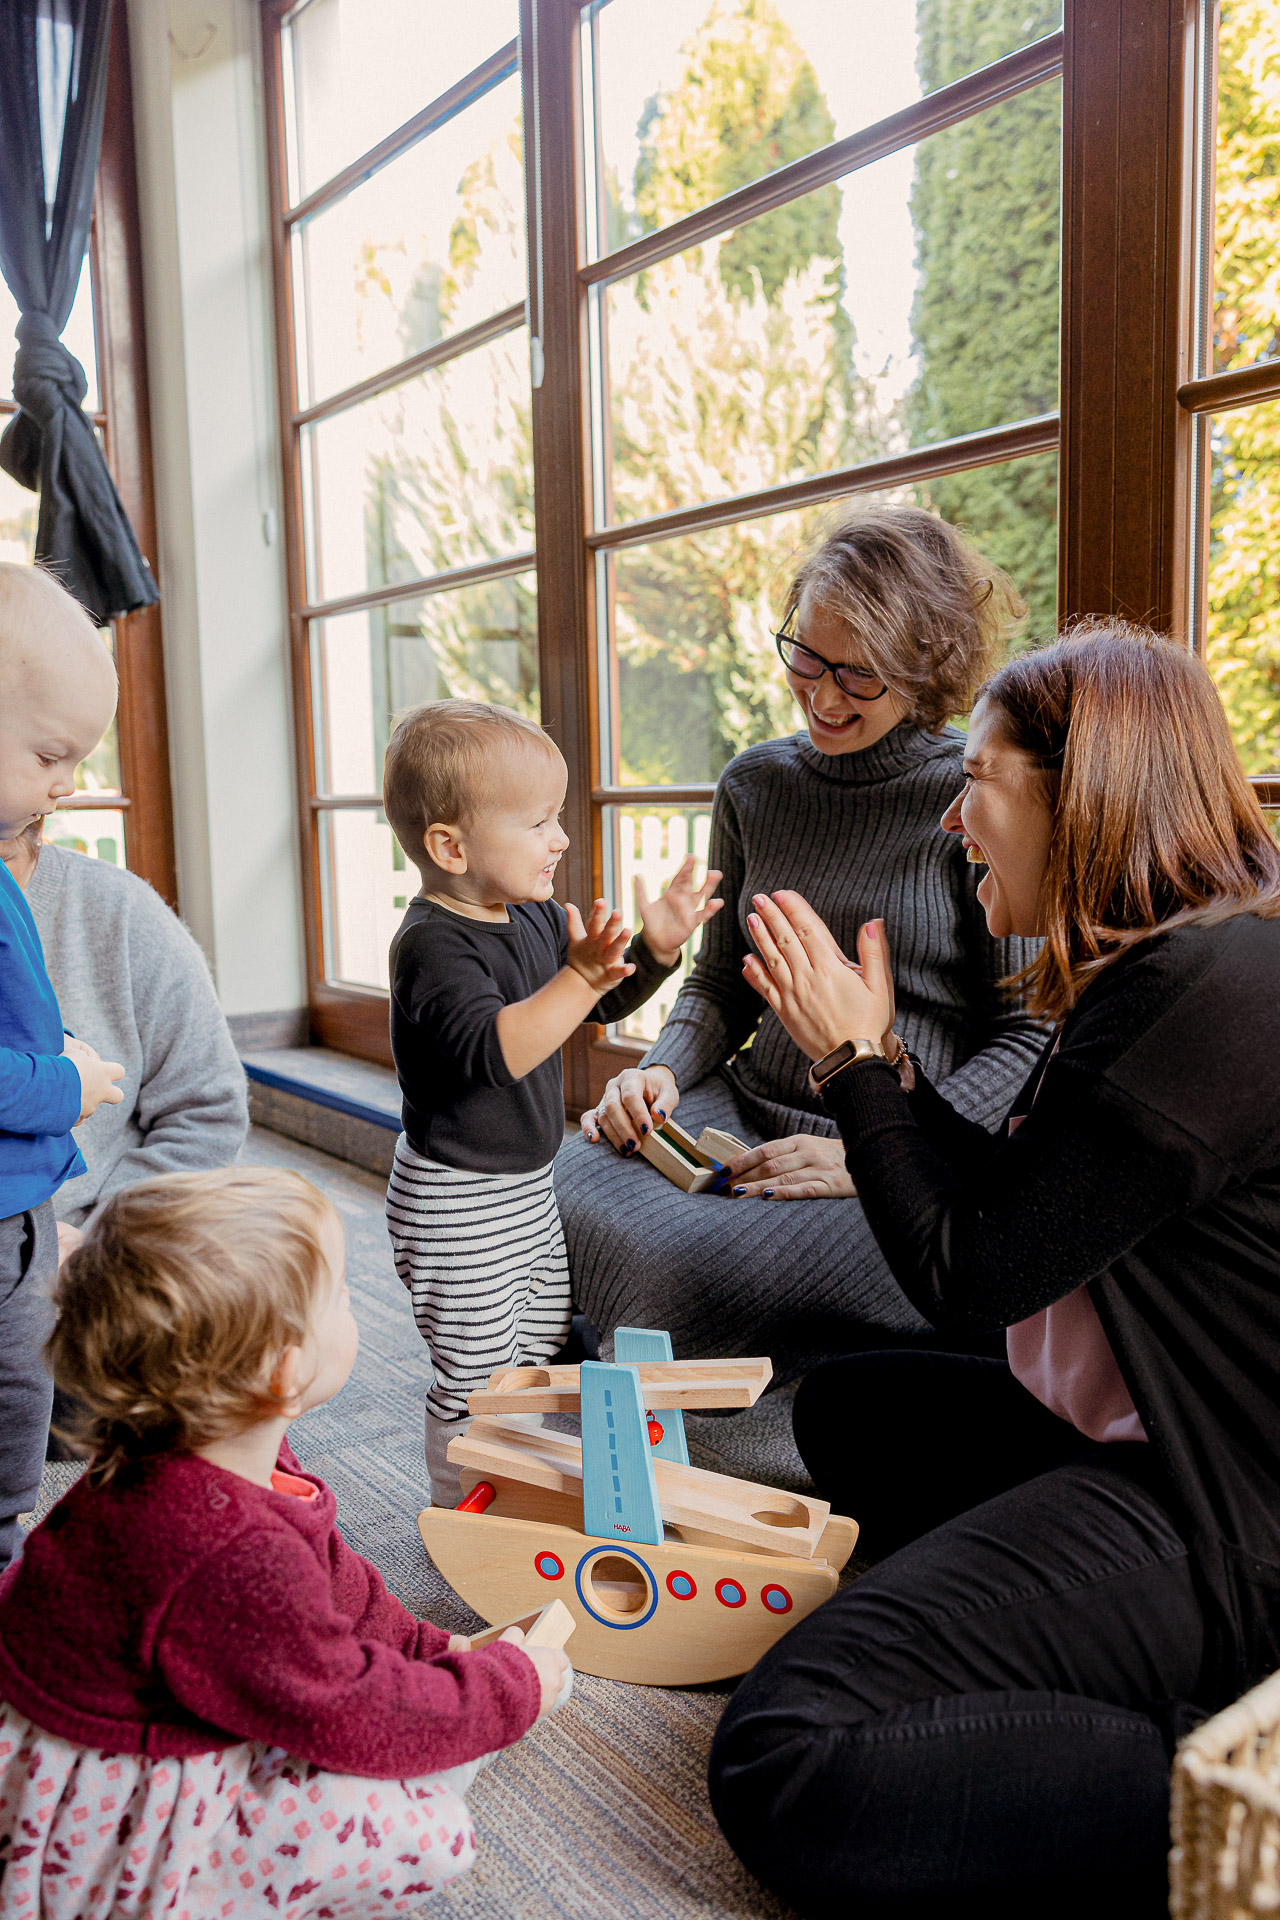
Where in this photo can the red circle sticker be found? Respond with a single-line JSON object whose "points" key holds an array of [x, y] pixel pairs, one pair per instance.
{"points": [[731, 1593], [549, 1565], [681, 1586], [777, 1599]]}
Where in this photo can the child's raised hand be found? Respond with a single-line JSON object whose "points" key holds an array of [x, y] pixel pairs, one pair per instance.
{"points": [[596, 949], [678, 911], [552, 1664], [97, 1077]]}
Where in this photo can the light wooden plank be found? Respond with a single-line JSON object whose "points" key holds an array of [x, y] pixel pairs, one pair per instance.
{"points": [[666, 1383], [550, 1626]]}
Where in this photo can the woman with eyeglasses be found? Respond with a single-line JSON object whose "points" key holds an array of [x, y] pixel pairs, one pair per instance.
{"points": [[890, 626], [1078, 1544]]}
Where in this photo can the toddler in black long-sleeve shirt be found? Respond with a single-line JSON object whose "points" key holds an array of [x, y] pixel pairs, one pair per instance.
{"points": [[489, 977]]}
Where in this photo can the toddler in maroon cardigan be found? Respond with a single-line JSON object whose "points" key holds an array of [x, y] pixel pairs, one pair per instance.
{"points": [[209, 1705]]}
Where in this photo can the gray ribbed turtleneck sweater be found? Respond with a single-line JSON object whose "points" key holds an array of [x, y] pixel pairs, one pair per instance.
{"points": [[858, 835]]}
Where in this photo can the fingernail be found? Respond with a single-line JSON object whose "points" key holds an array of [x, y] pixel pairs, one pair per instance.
{"points": [[738, 1190], [661, 1115], [631, 1146], [767, 1194], [873, 932], [644, 1130]]}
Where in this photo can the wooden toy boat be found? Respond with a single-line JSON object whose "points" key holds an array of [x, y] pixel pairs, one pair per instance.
{"points": [[672, 1575]]}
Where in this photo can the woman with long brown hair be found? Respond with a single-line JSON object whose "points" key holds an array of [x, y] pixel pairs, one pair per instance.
{"points": [[1079, 1547]]}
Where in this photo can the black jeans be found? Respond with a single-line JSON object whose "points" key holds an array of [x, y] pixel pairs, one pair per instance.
{"points": [[979, 1725]]}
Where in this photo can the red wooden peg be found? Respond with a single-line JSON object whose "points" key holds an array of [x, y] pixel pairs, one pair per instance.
{"points": [[482, 1495]]}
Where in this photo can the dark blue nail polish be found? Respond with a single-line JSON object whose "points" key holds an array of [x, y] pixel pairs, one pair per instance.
{"points": [[643, 1131], [630, 1146], [661, 1115], [767, 1194], [738, 1190]]}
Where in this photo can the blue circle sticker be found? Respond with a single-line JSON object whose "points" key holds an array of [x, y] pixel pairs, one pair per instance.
{"points": [[550, 1566], [777, 1599], [730, 1594], [681, 1586]]}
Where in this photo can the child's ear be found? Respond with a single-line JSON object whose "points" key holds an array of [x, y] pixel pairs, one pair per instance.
{"points": [[444, 847], [288, 1381]]}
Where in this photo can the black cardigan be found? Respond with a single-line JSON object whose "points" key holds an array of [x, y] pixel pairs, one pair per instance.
{"points": [[1149, 1168]]}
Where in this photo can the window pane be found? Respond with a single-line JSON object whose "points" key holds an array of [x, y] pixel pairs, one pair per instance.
{"points": [[433, 474], [431, 243], [364, 889], [100, 834], [696, 677], [77, 337], [696, 100], [19, 512], [476, 643], [1246, 324], [652, 842], [916, 300], [361, 68], [1243, 638]]}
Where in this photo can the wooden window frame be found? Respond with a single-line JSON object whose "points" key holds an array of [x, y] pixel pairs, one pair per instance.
{"points": [[1123, 432], [124, 420]]}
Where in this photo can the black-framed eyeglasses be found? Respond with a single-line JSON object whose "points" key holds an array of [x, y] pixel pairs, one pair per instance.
{"points": [[857, 682]]}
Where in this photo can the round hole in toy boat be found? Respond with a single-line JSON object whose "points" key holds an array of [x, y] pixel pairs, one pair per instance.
{"points": [[786, 1513], [524, 1377], [617, 1586]]}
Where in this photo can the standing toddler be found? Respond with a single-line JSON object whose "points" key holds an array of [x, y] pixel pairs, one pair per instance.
{"points": [[489, 977], [57, 696]]}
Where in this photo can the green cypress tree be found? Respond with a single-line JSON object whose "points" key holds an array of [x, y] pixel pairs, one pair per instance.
{"points": [[985, 204]]}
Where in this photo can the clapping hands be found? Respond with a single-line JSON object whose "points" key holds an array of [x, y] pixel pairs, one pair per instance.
{"points": [[678, 912], [820, 997]]}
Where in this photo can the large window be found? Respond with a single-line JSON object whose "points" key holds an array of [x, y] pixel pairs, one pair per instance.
{"points": [[678, 279], [1234, 392]]}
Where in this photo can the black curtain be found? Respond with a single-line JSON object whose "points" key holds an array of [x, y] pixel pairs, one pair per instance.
{"points": [[53, 88]]}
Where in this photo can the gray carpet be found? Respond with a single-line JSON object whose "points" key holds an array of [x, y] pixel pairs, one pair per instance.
{"points": [[601, 1813]]}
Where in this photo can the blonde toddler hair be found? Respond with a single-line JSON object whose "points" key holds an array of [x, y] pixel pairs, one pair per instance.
{"points": [[172, 1310], [437, 760]]}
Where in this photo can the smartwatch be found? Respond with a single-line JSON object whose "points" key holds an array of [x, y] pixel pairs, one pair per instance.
{"points": [[841, 1057]]}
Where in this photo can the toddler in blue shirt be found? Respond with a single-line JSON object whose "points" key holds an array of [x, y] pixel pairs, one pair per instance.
{"points": [[57, 696]]}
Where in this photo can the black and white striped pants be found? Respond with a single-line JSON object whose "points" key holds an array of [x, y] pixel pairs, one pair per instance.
{"points": [[482, 1256]]}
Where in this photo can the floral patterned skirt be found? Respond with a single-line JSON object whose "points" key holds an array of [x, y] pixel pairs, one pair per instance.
{"points": [[244, 1834]]}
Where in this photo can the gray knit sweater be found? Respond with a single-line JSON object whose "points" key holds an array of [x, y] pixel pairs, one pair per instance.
{"points": [[858, 835], [132, 982]]}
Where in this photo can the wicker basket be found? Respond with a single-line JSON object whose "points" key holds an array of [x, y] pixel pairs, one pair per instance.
{"points": [[1225, 1862]]}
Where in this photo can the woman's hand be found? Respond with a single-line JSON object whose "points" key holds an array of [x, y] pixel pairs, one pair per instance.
{"points": [[634, 1102], [677, 913], [821, 998], [805, 1166]]}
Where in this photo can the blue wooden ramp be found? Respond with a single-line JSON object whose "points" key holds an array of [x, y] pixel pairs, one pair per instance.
{"points": [[619, 1491], [642, 1343]]}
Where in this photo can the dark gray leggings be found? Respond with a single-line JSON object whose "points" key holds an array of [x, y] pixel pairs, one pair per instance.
{"points": [[28, 1268], [978, 1726]]}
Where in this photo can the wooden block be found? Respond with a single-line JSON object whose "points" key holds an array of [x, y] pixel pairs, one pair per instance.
{"points": [[672, 1151], [713, 1144], [551, 1626], [839, 1538], [673, 1615], [740, 1510], [666, 1383], [619, 1492]]}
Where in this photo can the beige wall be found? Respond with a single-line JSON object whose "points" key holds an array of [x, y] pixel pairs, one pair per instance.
{"points": [[197, 85]]}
